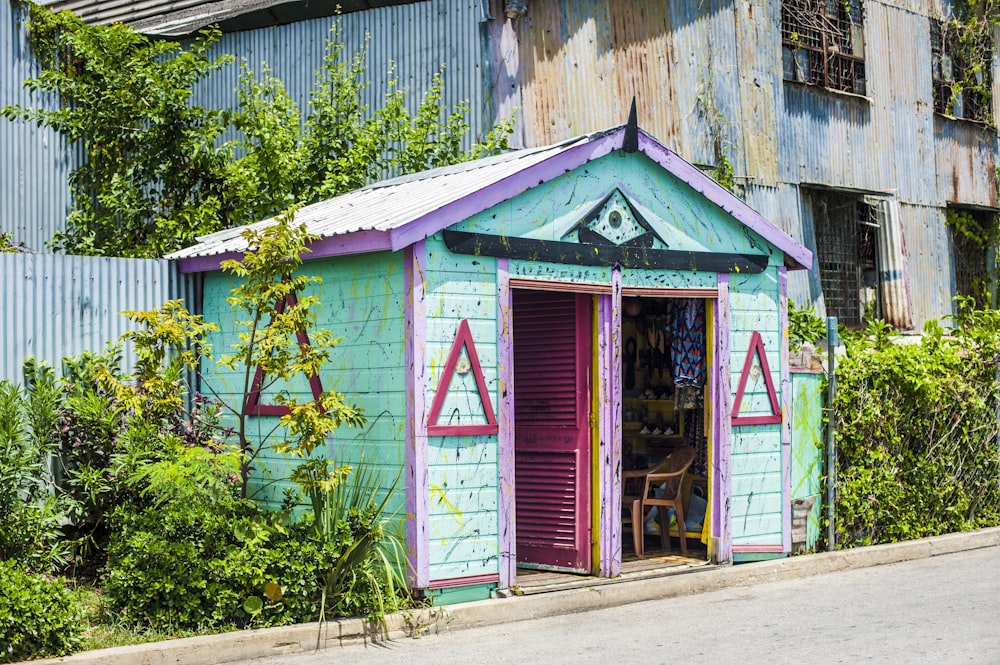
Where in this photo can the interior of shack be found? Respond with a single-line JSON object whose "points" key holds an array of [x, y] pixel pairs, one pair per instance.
{"points": [[665, 394]]}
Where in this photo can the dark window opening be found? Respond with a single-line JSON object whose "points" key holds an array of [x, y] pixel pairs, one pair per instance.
{"points": [[961, 87], [823, 43], [972, 233], [847, 242]]}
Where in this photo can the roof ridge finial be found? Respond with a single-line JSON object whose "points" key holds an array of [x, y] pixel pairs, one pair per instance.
{"points": [[631, 141]]}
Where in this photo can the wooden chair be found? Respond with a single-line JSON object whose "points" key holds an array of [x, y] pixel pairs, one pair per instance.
{"points": [[670, 473]]}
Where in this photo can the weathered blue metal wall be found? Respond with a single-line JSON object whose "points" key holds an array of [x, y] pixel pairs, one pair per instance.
{"points": [[34, 163], [56, 306], [418, 38], [709, 74]]}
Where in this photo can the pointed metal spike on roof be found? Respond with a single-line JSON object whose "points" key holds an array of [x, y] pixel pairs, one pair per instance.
{"points": [[631, 140]]}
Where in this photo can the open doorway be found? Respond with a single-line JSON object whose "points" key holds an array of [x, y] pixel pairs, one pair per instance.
{"points": [[667, 357]]}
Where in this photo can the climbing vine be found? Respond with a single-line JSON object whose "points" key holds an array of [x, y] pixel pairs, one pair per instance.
{"points": [[974, 238], [718, 127], [964, 76]]}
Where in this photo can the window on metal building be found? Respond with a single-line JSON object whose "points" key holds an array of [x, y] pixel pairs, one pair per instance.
{"points": [[973, 232], [847, 253], [823, 43], [961, 62]]}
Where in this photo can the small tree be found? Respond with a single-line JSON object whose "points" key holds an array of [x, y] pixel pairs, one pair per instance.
{"points": [[275, 313], [157, 173]]}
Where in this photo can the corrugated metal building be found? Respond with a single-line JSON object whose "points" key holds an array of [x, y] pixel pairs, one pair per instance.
{"points": [[864, 150], [850, 136], [57, 306]]}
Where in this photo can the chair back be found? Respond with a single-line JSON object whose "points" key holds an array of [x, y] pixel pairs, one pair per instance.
{"points": [[671, 474]]}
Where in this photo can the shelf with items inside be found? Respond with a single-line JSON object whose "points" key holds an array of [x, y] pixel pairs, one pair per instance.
{"points": [[651, 428]]}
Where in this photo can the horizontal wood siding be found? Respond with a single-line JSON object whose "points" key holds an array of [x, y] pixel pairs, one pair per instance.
{"points": [[756, 470], [361, 301], [462, 470]]}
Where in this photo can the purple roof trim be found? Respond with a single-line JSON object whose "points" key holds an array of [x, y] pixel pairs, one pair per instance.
{"points": [[503, 190], [206, 263], [565, 160], [359, 242], [718, 195]]}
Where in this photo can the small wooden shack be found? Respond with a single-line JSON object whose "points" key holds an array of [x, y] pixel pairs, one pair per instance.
{"points": [[522, 328]]}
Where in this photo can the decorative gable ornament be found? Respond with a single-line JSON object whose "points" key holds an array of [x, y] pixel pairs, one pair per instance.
{"points": [[470, 362], [756, 348]]}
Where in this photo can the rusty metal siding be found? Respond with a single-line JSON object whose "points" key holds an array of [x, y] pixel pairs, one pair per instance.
{"points": [[34, 194], [759, 83], [61, 305], [966, 164], [582, 63], [419, 38], [931, 269]]}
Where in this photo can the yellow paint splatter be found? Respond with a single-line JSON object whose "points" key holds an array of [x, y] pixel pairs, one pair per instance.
{"points": [[437, 492]]}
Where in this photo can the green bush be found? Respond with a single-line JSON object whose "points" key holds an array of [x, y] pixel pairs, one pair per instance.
{"points": [[39, 617], [30, 509], [176, 567], [917, 432]]}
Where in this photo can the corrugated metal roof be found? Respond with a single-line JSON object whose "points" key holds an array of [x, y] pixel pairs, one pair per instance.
{"points": [[391, 203], [176, 18], [394, 214]]}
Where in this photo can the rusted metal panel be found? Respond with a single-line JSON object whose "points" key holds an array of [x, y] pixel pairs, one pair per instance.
{"points": [[62, 305], [930, 261], [966, 164], [582, 62], [759, 82]]}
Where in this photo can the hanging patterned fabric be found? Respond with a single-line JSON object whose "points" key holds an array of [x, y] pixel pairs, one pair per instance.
{"points": [[687, 347]]}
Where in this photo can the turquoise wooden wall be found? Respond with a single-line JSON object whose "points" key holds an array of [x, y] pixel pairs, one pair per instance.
{"points": [[362, 303], [462, 470], [756, 463], [807, 446]]}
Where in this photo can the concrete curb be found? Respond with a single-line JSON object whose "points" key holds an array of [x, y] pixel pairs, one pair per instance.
{"points": [[246, 645]]}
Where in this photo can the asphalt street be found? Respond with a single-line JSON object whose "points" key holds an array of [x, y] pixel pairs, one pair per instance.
{"points": [[941, 610]]}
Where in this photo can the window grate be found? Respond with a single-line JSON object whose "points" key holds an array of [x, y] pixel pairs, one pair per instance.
{"points": [[847, 241], [823, 43], [951, 65]]}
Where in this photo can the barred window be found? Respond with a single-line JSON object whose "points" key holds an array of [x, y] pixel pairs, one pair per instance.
{"points": [[823, 43], [972, 232], [847, 241], [961, 86]]}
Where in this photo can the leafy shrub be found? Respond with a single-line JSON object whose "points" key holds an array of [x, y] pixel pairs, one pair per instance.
{"points": [[38, 617], [917, 431], [30, 510], [804, 326], [174, 567]]}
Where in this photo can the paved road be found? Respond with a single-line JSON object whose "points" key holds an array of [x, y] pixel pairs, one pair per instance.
{"points": [[941, 610]]}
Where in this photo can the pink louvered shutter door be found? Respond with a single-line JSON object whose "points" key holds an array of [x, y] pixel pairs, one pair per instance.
{"points": [[551, 437]]}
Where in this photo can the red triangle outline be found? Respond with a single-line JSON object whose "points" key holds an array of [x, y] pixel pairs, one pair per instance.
{"points": [[756, 346], [462, 338], [253, 406]]}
